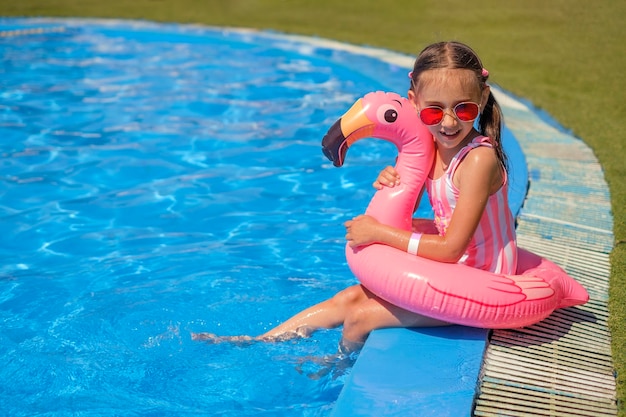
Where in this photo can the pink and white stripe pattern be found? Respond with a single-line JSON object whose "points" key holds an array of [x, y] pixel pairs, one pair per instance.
{"points": [[493, 247]]}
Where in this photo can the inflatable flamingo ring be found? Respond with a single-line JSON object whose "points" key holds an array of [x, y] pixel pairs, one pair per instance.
{"points": [[451, 292]]}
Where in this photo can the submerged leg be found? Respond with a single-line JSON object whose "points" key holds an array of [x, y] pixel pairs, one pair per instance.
{"points": [[356, 308]]}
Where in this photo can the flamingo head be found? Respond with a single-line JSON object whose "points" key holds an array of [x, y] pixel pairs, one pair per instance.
{"points": [[381, 115]]}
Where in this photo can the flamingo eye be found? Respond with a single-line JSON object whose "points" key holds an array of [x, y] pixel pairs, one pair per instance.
{"points": [[387, 114]]}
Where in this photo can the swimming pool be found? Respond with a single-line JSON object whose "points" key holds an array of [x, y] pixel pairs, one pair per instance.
{"points": [[164, 179], [159, 180]]}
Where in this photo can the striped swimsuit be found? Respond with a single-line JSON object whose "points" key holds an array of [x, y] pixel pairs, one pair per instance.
{"points": [[493, 247]]}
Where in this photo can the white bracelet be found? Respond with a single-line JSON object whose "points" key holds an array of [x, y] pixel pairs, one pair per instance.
{"points": [[414, 243]]}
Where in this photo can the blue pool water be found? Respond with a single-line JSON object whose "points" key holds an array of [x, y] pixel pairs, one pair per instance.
{"points": [[158, 180]]}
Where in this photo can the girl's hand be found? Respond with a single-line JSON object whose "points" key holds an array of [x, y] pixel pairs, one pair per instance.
{"points": [[362, 230], [388, 177]]}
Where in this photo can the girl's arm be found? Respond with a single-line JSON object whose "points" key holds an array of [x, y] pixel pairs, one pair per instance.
{"points": [[477, 177]]}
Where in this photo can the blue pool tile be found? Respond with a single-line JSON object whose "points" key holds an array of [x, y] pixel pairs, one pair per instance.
{"points": [[416, 372]]}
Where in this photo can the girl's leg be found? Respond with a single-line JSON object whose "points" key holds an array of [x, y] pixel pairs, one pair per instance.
{"points": [[325, 315], [375, 313], [328, 314]]}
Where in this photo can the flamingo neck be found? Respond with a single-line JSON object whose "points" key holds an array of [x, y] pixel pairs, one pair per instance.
{"points": [[395, 206]]}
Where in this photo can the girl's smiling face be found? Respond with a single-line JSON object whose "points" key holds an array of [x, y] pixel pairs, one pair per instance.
{"points": [[446, 88]]}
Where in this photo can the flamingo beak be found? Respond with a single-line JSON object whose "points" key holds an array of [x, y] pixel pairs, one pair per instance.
{"points": [[352, 126]]}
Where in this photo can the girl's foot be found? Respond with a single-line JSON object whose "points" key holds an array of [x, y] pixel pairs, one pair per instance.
{"points": [[335, 365], [213, 338], [300, 332]]}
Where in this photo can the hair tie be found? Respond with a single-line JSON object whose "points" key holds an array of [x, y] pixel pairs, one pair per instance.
{"points": [[485, 73], [411, 75]]}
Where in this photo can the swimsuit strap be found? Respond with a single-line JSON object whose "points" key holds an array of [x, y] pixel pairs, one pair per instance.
{"points": [[458, 158]]}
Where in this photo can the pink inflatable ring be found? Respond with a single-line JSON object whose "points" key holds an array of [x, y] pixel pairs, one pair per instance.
{"points": [[451, 292]]}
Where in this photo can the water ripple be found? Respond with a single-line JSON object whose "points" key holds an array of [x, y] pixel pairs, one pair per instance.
{"points": [[159, 180]]}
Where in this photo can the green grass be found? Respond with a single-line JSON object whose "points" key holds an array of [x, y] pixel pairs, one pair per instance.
{"points": [[566, 56]]}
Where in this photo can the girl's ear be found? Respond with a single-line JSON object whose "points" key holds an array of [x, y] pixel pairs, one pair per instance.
{"points": [[485, 96], [412, 98]]}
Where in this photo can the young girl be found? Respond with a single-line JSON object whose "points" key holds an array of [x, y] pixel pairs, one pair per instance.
{"points": [[467, 186]]}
